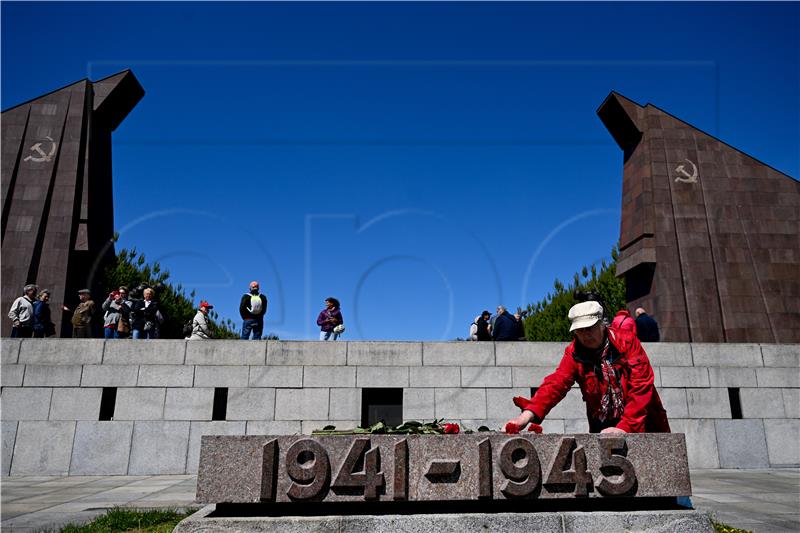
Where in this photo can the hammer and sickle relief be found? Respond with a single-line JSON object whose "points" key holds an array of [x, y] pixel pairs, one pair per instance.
{"points": [[43, 156], [688, 178]]}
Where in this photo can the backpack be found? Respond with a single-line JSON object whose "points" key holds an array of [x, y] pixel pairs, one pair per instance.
{"points": [[188, 328]]}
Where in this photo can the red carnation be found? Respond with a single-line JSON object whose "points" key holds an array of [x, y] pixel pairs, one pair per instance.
{"points": [[536, 428], [451, 428], [512, 428]]}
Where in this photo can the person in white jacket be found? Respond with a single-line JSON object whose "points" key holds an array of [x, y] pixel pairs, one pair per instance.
{"points": [[200, 326], [21, 313]]}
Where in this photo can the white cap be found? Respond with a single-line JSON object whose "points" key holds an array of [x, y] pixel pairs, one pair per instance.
{"points": [[584, 315]]}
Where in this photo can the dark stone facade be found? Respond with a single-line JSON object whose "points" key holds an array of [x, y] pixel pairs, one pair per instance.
{"points": [[710, 237], [58, 221]]}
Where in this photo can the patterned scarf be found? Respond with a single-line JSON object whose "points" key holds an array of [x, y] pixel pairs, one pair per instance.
{"points": [[612, 405]]}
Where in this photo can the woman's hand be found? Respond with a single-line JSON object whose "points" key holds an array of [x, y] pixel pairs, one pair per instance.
{"points": [[522, 420], [613, 430]]}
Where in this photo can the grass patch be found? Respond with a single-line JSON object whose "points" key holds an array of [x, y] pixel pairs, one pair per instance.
{"points": [[724, 528], [129, 520]]}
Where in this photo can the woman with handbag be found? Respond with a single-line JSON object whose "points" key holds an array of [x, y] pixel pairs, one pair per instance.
{"points": [[330, 320]]}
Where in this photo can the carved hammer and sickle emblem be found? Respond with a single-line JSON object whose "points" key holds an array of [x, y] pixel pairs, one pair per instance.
{"points": [[43, 156], [689, 178]]}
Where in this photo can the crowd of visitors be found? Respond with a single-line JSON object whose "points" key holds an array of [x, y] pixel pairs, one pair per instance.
{"points": [[502, 326], [125, 315]]}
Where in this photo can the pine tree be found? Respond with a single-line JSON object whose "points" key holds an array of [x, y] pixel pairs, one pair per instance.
{"points": [[547, 319]]}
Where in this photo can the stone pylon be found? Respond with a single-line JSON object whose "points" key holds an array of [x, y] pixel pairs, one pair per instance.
{"points": [[58, 223], [710, 237]]}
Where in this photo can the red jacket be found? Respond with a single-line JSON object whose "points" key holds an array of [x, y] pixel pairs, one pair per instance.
{"points": [[624, 320], [643, 411]]}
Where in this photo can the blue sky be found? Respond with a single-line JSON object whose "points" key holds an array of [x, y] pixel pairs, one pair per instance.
{"points": [[421, 162]]}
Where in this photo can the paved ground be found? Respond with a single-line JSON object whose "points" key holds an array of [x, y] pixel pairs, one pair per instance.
{"points": [[764, 501]]}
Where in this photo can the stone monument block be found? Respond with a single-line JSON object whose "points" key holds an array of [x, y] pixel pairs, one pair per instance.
{"points": [[417, 468]]}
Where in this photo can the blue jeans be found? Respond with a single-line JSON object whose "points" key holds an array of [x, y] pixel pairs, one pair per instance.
{"points": [[254, 325], [110, 333], [142, 334], [328, 336]]}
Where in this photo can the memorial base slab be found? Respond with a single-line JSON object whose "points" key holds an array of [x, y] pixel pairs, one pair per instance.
{"points": [[685, 521]]}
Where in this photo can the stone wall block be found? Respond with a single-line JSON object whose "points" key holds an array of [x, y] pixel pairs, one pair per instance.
{"points": [[9, 351], [306, 353], [460, 403], [226, 352], [274, 427], [145, 352], [382, 376], [669, 353], [166, 376], [547, 354], [701, 441], [8, 433], [307, 426], [384, 353], [345, 404], [329, 376], [761, 403], [61, 351], [140, 404], [52, 375], [732, 377], [683, 376], [572, 406], [708, 403], [221, 376], [12, 375], [42, 448], [529, 376], [158, 448], [483, 376], [75, 404], [791, 402], [250, 404], [101, 448], [29, 403], [458, 353], [728, 354], [500, 404], [778, 377], [781, 355], [301, 404], [674, 401], [741, 444], [575, 425], [434, 376], [109, 375], [276, 376], [198, 429], [189, 404], [419, 404], [783, 442]]}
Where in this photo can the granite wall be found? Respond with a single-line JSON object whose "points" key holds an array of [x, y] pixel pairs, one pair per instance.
{"points": [[52, 391]]}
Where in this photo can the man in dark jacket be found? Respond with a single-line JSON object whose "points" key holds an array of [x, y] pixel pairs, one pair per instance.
{"points": [[504, 326], [253, 307], [646, 326], [613, 372]]}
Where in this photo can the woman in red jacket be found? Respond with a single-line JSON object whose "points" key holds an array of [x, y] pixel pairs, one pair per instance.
{"points": [[614, 375]]}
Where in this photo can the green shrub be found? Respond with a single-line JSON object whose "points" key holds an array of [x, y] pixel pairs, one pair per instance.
{"points": [[547, 319]]}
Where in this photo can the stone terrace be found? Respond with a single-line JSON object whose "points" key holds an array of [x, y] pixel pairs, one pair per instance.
{"points": [[738, 404]]}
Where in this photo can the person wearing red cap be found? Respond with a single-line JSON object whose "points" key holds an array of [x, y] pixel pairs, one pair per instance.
{"points": [[200, 327], [613, 372]]}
